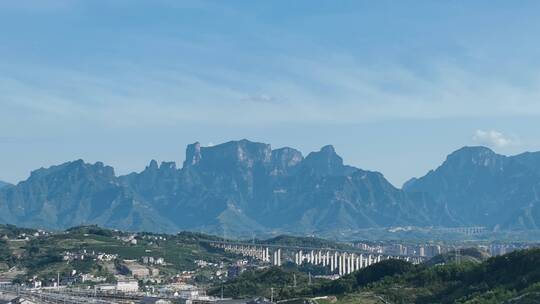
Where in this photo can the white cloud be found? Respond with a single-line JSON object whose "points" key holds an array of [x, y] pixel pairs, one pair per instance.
{"points": [[307, 91], [492, 138]]}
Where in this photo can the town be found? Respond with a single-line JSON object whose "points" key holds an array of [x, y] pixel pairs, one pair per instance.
{"points": [[89, 262]]}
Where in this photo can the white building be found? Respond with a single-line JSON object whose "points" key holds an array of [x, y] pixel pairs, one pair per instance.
{"points": [[127, 286]]}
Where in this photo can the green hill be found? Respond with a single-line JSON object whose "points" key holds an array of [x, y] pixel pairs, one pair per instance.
{"points": [[255, 283], [43, 255], [512, 278], [474, 255]]}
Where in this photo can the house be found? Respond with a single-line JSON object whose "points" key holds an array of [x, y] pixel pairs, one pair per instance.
{"points": [[127, 286], [138, 270]]}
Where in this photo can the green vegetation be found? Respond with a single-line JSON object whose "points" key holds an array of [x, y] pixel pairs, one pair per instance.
{"points": [[474, 255], [253, 283], [512, 278], [499, 279], [358, 279], [43, 256], [12, 231]]}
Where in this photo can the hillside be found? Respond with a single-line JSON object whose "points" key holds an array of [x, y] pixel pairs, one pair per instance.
{"points": [[465, 255], [42, 255], [512, 278], [256, 283]]}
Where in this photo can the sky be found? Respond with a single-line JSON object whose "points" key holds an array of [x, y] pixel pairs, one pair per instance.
{"points": [[395, 86]]}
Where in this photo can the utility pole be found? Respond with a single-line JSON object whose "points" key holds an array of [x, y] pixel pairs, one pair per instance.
{"points": [[294, 280], [272, 294]]}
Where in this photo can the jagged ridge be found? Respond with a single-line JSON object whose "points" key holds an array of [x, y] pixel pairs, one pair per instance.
{"points": [[241, 187], [236, 187]]}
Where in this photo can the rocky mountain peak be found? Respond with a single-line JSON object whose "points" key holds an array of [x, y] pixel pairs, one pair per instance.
{"points": [[167, 166], [193, 154], [77, 168], [477, 156], [243, 152], [328, 149], [284, 159], [153, 165], [325, 162]]}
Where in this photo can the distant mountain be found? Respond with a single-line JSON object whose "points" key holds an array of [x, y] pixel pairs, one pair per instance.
{"points": [[238, 187], [477, 187], [241, 187], [247, 186], [75, 193], [4, 184]]}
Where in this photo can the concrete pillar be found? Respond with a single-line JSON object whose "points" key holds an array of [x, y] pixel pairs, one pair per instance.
{"points": [[342, 264]]}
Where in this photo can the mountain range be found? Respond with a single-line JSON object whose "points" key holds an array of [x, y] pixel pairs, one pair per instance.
{"points": [[476, 186], [244, 187]]}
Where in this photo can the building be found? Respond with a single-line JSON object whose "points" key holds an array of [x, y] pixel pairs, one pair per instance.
{"points": [[137, 270], [106, 287], [189, 294], [127, 286]]}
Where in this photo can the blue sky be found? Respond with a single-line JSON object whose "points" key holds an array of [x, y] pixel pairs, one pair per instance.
{"points": [[394, 85]]}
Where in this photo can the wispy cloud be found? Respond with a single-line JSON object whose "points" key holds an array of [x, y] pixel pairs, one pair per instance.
{"points": [[329, 93], [492, 138]]}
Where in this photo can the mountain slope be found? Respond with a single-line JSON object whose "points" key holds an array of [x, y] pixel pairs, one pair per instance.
{"points": [[238, 187], [242, 187], [4, 184], [476, 186], [71, 194]]}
